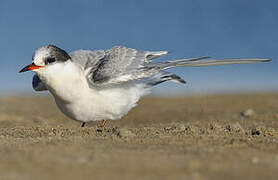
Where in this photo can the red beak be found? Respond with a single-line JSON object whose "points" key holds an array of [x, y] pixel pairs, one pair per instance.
{"points": [[30, 67]]}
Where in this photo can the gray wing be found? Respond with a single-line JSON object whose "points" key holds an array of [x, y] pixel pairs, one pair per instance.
{"points": [[115, 65], [37, 84], [120, 64], [87, 58]]}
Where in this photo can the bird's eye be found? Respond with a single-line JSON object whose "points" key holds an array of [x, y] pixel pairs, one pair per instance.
{"points": [[49, 60]]}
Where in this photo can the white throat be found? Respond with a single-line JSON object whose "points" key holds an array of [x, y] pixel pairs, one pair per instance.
{"points": [[63, 79]]}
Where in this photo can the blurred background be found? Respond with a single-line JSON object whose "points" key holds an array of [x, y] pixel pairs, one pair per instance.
{"points": [[218, 136], [192, 28]]}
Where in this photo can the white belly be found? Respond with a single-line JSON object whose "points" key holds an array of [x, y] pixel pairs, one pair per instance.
{"points": [[78, 101], [110, 104]]}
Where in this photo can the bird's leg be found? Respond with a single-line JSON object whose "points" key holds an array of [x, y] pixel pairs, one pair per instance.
{"points": [[103, 122], [83, 124], [101, 126]]}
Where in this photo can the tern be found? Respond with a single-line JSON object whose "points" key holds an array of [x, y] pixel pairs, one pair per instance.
{"points": [[104, 85]]}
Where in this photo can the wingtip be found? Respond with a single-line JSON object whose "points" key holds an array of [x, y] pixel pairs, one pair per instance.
{"points": [[267, 60], [206, 57], [263, 59], [182, 81]]}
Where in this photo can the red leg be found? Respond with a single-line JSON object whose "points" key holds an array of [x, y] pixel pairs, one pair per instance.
{"points": [[103, 122]]}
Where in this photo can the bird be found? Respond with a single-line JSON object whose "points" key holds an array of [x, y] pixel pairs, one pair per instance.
{"points": [[101, 85]]}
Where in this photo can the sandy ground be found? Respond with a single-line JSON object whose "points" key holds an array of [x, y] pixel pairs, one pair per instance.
{"points": [[206, 137]]}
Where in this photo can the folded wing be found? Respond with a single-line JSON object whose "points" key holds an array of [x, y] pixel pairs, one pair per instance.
{"points": [[120, 64], [115, 65]]}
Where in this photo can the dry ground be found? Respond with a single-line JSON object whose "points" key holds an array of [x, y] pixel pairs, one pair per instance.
{"points": [[206, 137]]}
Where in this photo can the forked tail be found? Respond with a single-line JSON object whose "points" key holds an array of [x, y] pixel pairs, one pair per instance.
{"points": [[204, 61], [192, 62]]}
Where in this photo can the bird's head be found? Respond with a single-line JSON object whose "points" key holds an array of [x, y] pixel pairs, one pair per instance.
{"points": [[45, 58]]}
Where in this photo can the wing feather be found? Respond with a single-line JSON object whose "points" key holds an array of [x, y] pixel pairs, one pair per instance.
{"points": [[121, 64], [115, 65]]}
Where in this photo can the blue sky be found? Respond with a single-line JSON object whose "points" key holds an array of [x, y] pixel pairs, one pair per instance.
{"points": [[192, 28]]}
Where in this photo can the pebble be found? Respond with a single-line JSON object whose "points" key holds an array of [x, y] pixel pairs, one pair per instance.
{"points": [[228, 127], [255, 160], [255, 131], [248, 113], [180, 127], [125, 133]]}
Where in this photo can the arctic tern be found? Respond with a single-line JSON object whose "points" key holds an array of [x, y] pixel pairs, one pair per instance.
{"points": [[104, 85]]}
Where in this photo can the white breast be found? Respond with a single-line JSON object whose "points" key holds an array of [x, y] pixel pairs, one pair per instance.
{"points": [[78, 101]]}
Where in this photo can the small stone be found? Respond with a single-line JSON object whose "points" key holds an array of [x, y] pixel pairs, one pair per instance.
{"points": [[125, 133], [53, 130], [254, 131], [99, 130], [228, 127], [255, 160], [248, 113], [180, 127]]}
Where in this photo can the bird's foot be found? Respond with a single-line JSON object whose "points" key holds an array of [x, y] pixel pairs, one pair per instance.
{"points": [[102, 126]]}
